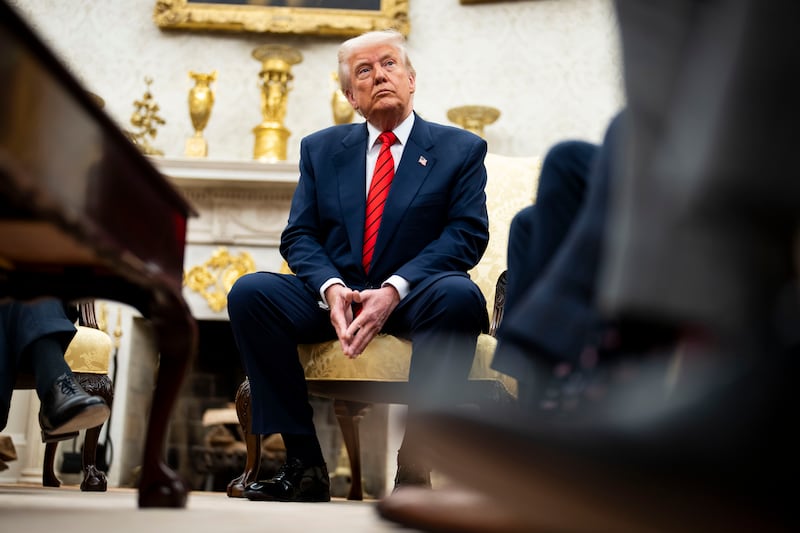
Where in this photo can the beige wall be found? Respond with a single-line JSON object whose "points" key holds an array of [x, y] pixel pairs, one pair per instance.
{"points": [[551, 67]]}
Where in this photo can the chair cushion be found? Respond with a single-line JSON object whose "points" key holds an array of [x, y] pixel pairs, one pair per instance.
{"points": [[388, 359], [510, 187], [89, 351]]}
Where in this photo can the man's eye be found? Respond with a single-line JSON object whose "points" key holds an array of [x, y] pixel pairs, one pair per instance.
{"points": [[390, 63], [362, 71]]}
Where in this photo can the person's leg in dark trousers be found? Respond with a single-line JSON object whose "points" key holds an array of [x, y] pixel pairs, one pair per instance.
{"points": [[33, 339], [270, 315], [556, 318], [443, 319], [537, 231]]}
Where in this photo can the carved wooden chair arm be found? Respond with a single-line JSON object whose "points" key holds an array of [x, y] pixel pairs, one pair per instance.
{"points": [[86, 314], [499, 303]]}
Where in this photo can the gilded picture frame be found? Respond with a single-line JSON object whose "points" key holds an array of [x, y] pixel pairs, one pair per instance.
{"points": [[259, 17]]}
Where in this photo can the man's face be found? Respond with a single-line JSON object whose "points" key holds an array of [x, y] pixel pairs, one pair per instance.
{"points": [[381, 85]]}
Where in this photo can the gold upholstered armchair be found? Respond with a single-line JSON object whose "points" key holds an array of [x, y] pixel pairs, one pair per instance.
{"points": [[88, 356], [380, 374]]}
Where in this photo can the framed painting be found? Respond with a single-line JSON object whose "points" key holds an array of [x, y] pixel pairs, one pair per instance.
{"points": [[316, 17], [470, 2]]}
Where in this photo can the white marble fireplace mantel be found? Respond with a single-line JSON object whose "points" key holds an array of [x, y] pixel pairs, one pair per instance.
{"points": [[194, 172]]}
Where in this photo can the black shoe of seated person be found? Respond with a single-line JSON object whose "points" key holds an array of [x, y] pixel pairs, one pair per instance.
{"points": [[66, 409], [294, 482]]}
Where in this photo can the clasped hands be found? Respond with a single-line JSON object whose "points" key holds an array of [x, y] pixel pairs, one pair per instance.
{"points": [[355, 331]]}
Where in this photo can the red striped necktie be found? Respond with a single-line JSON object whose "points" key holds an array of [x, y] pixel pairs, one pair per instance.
{"points": [[376, 199]]}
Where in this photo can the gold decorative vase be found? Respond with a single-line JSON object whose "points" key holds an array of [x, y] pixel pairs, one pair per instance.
{"points": [[274, 80], [343, 111], [473, 117], [201, 100]]}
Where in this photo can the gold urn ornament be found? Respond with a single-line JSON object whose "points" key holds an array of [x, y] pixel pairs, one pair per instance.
{"points": [[343, 111], [274, 80], [201, 100], [473, 117]]}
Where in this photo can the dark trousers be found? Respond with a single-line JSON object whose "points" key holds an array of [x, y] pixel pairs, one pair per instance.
{"points": [[538, 230], [553, 316], [272, 313], [21, 324]]}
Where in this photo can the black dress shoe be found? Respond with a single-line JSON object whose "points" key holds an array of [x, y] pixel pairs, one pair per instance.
{"points": [[294, 482], [66, 409]]}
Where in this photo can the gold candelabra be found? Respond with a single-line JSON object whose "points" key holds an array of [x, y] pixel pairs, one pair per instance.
{"points": [[274, 80], [201, 100], [103, 325], [145, 118], [473, 117]]}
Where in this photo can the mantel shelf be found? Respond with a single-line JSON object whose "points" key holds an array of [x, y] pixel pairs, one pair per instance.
{"points": [[196, 172]]}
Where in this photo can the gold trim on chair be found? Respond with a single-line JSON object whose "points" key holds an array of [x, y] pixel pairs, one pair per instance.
{"points": [[388, 359]]}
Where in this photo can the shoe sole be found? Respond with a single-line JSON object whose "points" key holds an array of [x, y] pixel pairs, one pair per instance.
{"points": [[572, 492], [92, 416], [449, 509], [259, 497]]}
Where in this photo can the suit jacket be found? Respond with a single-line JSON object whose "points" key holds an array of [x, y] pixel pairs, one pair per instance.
{"points": [[434, 223]]}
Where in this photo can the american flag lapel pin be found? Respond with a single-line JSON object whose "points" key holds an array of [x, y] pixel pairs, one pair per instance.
{"points": [[422, 161]]}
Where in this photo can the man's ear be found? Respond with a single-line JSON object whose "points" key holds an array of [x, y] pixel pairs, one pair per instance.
{"points": [[350, 98]]}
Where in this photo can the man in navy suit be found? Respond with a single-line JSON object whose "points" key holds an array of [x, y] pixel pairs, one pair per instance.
{"points": [[434, 228]]}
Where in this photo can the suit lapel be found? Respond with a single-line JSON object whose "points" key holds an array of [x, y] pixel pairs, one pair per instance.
{"points": [[350, 164]]}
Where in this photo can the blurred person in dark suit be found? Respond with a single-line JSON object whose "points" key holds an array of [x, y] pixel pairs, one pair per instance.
{"points": [[700, 252]]}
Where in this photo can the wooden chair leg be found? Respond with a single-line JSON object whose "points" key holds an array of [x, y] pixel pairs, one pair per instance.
{"points": [[49, 478], [94, 480], [349, 414], [253, 443]]}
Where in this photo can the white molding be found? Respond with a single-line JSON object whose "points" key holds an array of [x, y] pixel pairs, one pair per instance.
{"points": [[197, 172]]}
